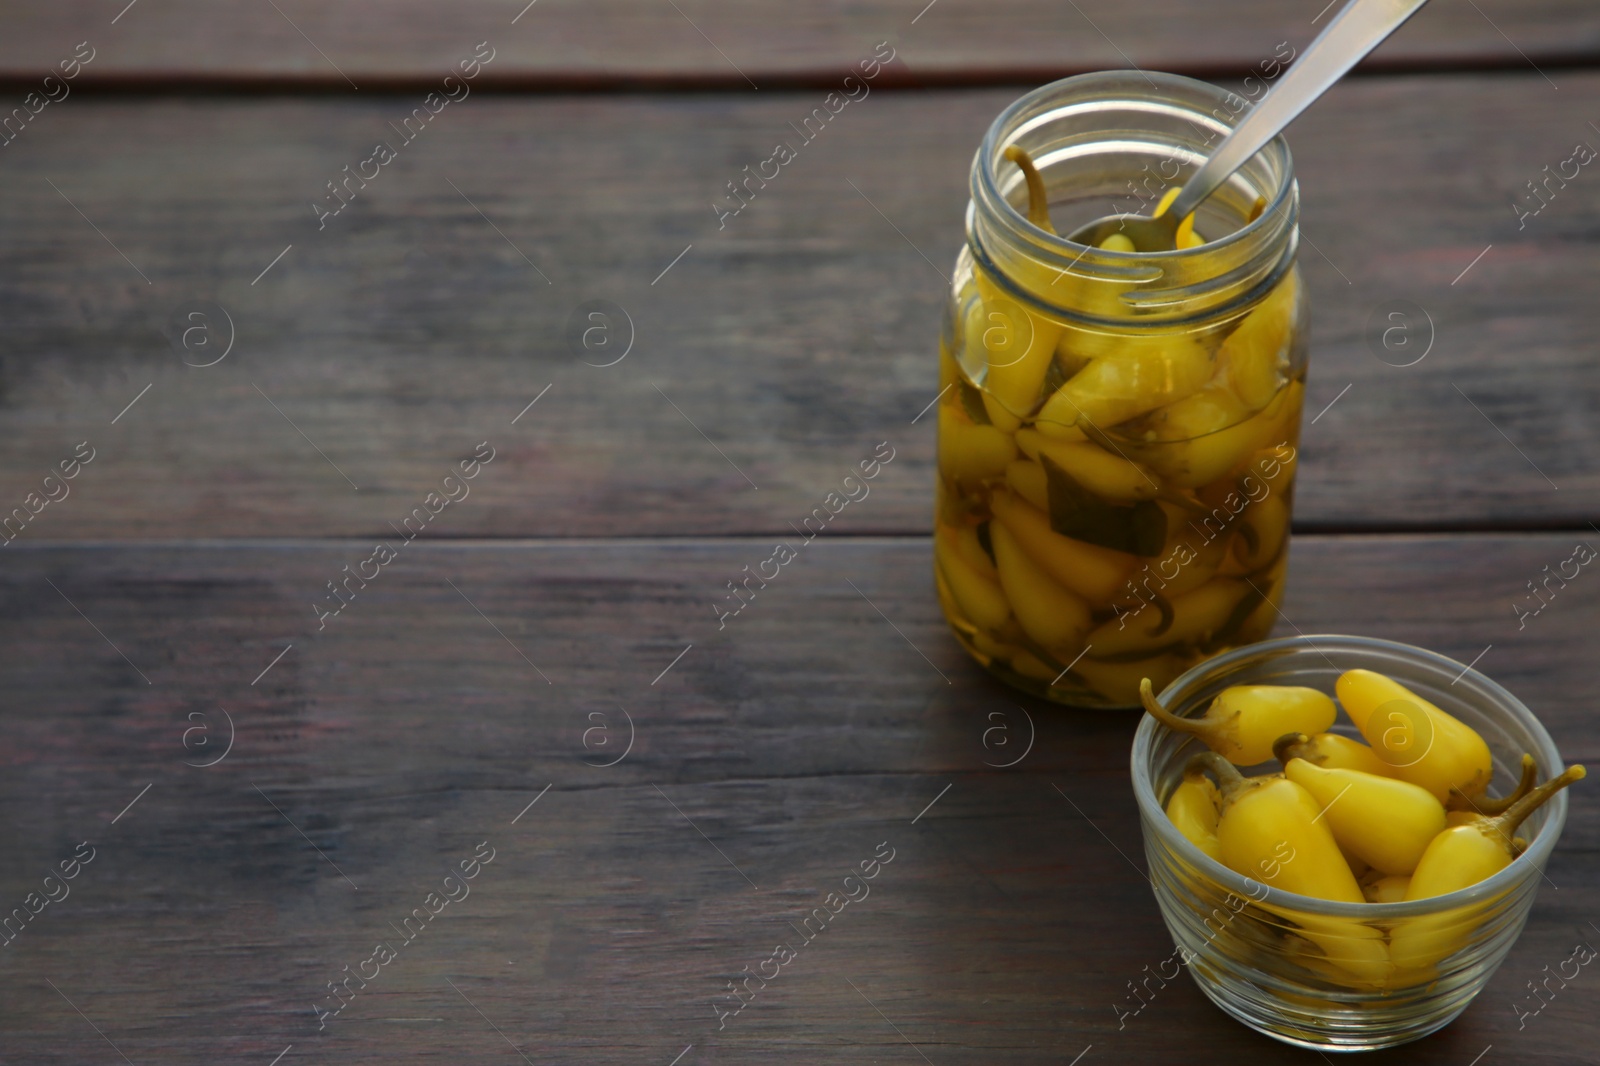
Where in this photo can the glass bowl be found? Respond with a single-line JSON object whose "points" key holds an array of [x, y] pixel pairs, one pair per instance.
{"points": [[1340, 976]]}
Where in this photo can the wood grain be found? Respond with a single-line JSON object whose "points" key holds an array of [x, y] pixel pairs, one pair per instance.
{"points": [[178, 603], [725, 43], [791, 341], [796, 740]]}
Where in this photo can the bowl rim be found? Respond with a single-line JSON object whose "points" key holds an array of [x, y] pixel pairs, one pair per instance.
{"points": [[1538, 850]]}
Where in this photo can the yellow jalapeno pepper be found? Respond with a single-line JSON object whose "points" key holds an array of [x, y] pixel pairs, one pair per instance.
{"points": [[988, 645], [1050, 614], [1120, 680], [1148, 373], [1195, 559], [1196, 616], [1463, 855], [1093, 572], [1254, 353], [1194, 807], [1199, 439], [1275, 465], [1458, 858], [1388, 889], [970, 453], [1243, 721], [1270, 829], [970, 576], [1331, 750], [1263, 530], [1028, 664], [1425, 745], [1104, 473], [1018, 343], [1385, 823], [1356, 950], [1029, 481]]}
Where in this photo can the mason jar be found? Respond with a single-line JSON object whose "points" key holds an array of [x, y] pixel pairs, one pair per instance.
{"points": [[1118, 430]]}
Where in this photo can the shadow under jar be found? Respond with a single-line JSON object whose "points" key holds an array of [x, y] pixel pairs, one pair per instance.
{"points": [[1118, 430]]}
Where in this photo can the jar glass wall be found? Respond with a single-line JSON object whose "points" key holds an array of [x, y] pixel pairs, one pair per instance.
{"points": [[1118, 431]]}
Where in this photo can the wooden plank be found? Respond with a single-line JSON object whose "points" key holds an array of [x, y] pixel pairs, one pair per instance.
{"points": [[621, 42], [796, 740], [780, 348]]}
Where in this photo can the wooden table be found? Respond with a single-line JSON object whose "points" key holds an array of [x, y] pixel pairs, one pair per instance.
{"points": [[268, 789]]}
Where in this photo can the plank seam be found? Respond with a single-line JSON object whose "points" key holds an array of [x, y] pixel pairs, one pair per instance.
{"points": [[187, 83]]}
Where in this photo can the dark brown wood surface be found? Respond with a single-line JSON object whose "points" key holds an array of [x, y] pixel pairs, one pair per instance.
{"points": [[794, 338], [740, 44], [175, 607], [796, 740]]}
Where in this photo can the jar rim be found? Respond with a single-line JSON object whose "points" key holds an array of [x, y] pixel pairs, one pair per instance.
{"points": [[1210, 281], [1006, 121], [1154, 815]]}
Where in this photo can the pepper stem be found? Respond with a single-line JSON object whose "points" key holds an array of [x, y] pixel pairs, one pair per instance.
{"points": [[1193, 726], [1460, 801], [1289, 747], [1515, 814], [1163, 605], [1038, 203], [1229, 779]]}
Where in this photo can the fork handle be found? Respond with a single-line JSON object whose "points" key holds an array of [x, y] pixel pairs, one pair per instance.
{"points": [[1356, 30]]}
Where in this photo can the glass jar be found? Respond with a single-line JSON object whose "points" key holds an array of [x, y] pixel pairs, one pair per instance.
{"points": [[1118, 430], [1346, 976]]}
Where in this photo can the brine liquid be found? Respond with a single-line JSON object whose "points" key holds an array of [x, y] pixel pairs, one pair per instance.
{"points": [[1113, 508]]}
